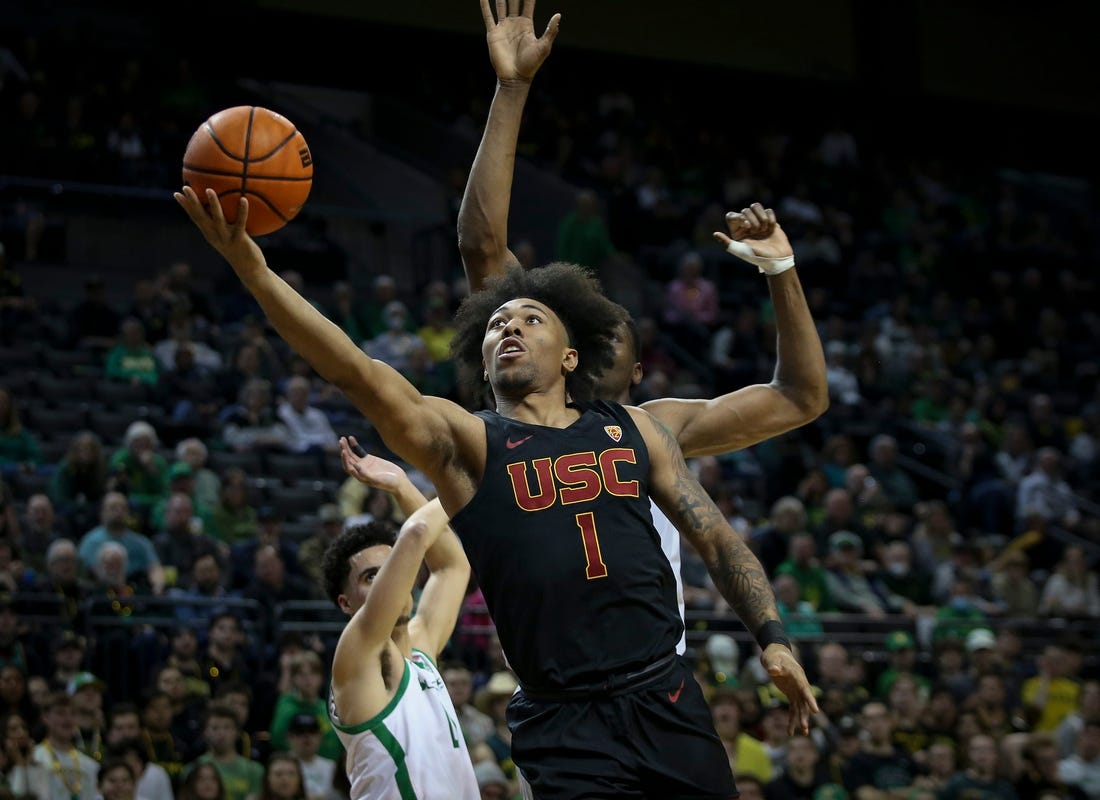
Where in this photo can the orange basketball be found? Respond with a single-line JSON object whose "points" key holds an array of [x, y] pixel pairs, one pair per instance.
{"points": [[254, 152]]}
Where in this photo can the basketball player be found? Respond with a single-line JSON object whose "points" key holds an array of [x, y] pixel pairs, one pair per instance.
{"points": [[388, 703], [587, 620], [799, 392]]}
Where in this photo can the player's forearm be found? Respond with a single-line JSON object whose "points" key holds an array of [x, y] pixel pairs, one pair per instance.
{"points": [[483, 215], [326, 348], [445, 552], [741, 580], [800, 360]]}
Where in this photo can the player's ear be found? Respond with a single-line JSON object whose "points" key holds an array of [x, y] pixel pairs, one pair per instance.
{"points": [[345, 606], [569, 360], [636, 374]]}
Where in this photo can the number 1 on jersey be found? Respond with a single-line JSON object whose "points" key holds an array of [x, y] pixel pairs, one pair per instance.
{"points": [[596, 568]]}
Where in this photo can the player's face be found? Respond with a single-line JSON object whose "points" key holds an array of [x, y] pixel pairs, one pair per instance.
{"points": [[364, 569], [616, 382], [525, 346]]}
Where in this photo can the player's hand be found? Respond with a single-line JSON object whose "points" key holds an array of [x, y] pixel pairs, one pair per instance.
{"points": [[788, 676], [756, 226], [514, 50], [369, 469], [231, 240]]}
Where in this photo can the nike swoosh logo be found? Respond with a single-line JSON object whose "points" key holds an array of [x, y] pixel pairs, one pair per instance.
{"points": [[675, 696], [513, 445]]}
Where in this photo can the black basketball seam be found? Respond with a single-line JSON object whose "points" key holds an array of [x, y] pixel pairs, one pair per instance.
{"points": [[214, 138], [276, 149], [253, 178], [247, 148], [270, 205]]}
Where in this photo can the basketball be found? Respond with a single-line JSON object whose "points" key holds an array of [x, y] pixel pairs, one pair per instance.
{"points": [[252, 152]]}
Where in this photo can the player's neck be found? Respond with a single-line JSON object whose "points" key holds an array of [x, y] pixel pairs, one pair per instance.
{"points": [[539, 408]]}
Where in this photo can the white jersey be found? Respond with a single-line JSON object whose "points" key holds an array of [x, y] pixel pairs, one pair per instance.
{"points": [[670, 545], [413, 748]]}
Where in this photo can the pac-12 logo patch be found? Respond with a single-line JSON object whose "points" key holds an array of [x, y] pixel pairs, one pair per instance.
{"points": [[614, 431]]}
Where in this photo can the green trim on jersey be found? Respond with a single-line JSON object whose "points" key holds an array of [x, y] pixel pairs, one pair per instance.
{"points": [[380, 717], [397, 753], [430, 660]]}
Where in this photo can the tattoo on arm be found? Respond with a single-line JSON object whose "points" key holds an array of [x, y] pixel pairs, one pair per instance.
{"points": [[733, 567]]}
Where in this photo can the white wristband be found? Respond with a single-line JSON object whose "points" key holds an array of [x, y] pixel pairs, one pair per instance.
{"points": [[768, 266]]}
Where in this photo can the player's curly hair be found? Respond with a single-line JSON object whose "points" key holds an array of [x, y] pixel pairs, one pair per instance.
{"points": [[336, 563], [571, 292]]}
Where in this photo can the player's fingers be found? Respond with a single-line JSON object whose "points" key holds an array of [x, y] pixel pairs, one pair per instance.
{"points": [[527, 8], [737, 223], [242, 214], [751, 216], [552, 27], [769, 216], [502, 10], [487, 15], [722, 239]]}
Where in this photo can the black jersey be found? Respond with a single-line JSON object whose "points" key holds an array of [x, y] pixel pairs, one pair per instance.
{"points": [[561, 539]]}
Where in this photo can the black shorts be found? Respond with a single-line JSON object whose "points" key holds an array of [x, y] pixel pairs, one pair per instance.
{"points": [[654, 741]]}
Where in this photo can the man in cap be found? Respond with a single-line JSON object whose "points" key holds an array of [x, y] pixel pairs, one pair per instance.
{"points": [[901, 650], [86, 691], [850, 588], [68, 658], [303, 735], [491, 781]]}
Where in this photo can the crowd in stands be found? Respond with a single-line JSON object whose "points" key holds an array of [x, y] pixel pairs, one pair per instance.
{"points": [[168, 476]]}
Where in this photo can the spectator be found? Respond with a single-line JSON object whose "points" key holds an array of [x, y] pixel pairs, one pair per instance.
{"points": [[491, 781], [841, 515], [771, 542], [152, 782], [901, 650], [191, 393], [164, 748], [1072, 591], [241, 777], [269, 532], [194, 453], [304, 740], [86, 691], [203, 782], [69, 650], [900, 576], [63, 579], [141, 472], [224, 657], [492, 700], [282, 779], [802, 565], [41, 526], [252, 423], [1046, 493], [1013, 589], [691, 303], [180, 539], [1082, 769], [305, 698], [80, 481], [330, 524], [396, 344], [234, 518], [746, 754], [880, 764], [476, 725], [895, 482], [1053, 694], [141, 556], [583, 237], [206, 587], [799, 617], [18, 446], [980, 779], [181, 481], [309, 429], [69, 773], [1069, 729], [181, 332], [132, 360], [803, 774], [849, 588]]}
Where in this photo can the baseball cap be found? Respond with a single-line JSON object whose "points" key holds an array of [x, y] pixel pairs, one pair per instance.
{"points": [[501, 684], [845, 539], [489, 773], [899, 640], [181, 469], [303, 723], [980, 639], [84, 680]]}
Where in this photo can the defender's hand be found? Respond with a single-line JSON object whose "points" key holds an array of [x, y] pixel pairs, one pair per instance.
{"points": [[756, 227], [514, 50], [788, 676], [369, 469]]}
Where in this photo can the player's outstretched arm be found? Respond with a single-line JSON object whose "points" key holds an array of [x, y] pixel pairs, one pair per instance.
{"points": [[355, 662], [449, 571], [734, 568], [797, 394], [410, 424], [516, 54]]}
